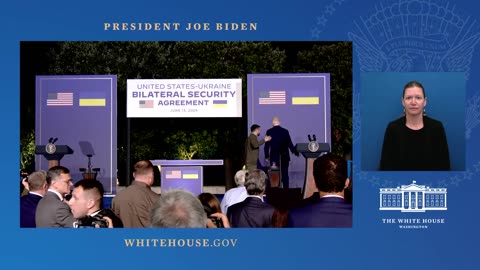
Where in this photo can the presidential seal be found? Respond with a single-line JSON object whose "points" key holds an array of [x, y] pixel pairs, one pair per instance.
{"points": [[50, 148], [313, 146]]}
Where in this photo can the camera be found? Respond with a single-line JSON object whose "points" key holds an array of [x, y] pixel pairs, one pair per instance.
{"points": [[96, 221], [216, 221]]}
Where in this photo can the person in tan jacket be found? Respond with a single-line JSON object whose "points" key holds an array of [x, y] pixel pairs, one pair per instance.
{"points": [[252, 146], [133, 204]]}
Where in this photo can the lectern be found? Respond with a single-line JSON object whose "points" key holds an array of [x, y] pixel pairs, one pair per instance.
{"points": [[89, 173], [310, 151], [275, 176], [53, 153]]}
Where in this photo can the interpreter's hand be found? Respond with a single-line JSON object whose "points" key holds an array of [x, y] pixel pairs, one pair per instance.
{"points": [[267, 138], [223, 217], [267, 160]]}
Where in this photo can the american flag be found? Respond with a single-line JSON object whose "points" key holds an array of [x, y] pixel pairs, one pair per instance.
{"points": [[146, 103], [60, 99], [272, 97], [174, 174]]}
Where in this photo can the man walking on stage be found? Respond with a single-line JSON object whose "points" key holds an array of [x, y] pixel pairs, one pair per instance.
{"points": [[252, 146], [276, 151]]}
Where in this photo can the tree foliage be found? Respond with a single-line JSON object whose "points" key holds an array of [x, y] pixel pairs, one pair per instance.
{"points": [[27, 151], [335, 59], [189, 145]]}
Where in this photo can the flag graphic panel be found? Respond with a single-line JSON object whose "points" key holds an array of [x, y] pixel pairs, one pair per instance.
{"points": [[174, 174], [93, 98], [272, 97], [60, 99], [145, 104]]}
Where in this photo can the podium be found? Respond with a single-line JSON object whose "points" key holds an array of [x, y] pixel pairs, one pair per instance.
{"points": [[89, 173], [53, 153], [275, 176], [309, 184], [185, 174]]}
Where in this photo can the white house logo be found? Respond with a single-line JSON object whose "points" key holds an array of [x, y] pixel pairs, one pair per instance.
{"points": [[413, 198]]}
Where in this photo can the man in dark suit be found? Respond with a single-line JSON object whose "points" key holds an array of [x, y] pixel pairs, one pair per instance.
{"points": [[87, 202], [52, 210], [252, 146], [276, 151], [37, 184], [253, 212], [331, 211]]}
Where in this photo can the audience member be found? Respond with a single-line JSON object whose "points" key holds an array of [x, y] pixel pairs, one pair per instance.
{"points": [[178, 209], [52, 210], [37, 184], [280, 218], [133, 204], [23, 186], [252, 212], [235, 195], [211, 205], [86, 204], [312, 199], [331, 211]]}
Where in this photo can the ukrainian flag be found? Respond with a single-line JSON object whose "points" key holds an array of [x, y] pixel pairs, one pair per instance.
{"points": [[189, 174], [305, 98], [92, 99], [220, 103]]}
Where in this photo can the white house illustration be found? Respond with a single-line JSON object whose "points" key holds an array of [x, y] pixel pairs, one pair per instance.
{"points": [[413, 198]]}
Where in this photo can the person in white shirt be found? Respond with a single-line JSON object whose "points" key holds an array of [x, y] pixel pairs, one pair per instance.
{"points": [[235, 195], [52, 210]]}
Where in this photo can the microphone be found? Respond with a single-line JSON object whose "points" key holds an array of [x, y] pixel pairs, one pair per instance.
{"points": [[55, 140], [50, 140], [309, 138], [314, 137]]}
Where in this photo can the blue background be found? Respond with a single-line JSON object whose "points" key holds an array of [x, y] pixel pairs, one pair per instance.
{"points": [[369, 245], [381, 102]]}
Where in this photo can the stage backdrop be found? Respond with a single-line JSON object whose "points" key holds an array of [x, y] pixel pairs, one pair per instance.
{"points": [[81, 112], [301, 101]]}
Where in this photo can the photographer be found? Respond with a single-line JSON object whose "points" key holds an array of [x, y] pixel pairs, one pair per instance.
{"points": [[86, 204], [211, 205]]}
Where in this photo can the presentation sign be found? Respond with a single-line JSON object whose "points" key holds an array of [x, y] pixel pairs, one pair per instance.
{"points": [[81, 111], [175, 98]]}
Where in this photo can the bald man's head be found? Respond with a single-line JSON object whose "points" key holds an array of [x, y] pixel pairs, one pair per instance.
{"points": [[275, 121]]}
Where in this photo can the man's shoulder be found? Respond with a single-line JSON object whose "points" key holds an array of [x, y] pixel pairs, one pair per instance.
{"points": [[237, 206], [30, 197], [322, 204]]}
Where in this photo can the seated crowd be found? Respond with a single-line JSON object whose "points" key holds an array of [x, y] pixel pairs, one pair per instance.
{"points": [[137, 206]]}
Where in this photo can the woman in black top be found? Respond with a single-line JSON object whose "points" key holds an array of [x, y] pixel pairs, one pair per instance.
{"points": [[415, 142]]}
